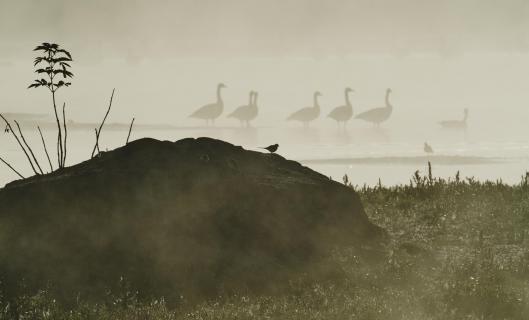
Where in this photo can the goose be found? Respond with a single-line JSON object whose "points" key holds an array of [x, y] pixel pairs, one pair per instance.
{"points": [[427, 148], [211, 111], [242, 113], [456, 124], [308, 114], [345, 112], [378, 115], [253, 110]]}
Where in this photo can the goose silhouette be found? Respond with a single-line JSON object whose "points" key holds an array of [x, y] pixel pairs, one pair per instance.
{"points": [[378, 115], [342, 114], [427, 148], [308, 114], [456, 124], [211, 111], [245, 113]]}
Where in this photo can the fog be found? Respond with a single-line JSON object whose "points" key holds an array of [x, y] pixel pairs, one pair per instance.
{"points": [[165, 59]]}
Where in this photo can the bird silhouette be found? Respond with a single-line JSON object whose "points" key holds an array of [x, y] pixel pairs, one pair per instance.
{"points": [[427, 148], [241, 112], [378, 115], [342, 114], [308, 114], [211, 111], [456, 124], [273, 148], [248, 112]]}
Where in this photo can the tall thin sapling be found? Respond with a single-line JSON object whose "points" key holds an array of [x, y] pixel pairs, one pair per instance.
{"points": [[56, 62]]}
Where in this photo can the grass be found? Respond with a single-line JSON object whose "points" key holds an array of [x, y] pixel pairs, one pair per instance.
{"points": [[459, 249]]}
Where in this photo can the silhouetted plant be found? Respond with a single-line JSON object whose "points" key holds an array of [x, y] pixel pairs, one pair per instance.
{"points": [[130, 130], [56, 64], [98, 131], [23, 146]]}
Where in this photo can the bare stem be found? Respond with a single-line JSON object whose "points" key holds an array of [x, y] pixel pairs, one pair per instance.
{"points": [[97, 141], [59, 134], [11, 167], [65, 133], [29, 148], [130, 130], [45, 148], [98, 132], [19, 143]]}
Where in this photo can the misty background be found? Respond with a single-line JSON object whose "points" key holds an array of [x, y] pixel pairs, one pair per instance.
{"points": [[165, 59]]}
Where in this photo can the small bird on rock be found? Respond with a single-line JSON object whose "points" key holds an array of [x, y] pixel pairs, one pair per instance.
{"points": [[272, 148]]}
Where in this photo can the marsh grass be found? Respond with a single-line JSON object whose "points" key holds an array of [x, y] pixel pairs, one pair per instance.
{"points": [[459, 249]]}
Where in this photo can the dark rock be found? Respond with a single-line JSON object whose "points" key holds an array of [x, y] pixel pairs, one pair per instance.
{"points": [[194, 216]]}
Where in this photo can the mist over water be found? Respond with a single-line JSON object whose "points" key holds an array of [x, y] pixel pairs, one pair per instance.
{"points": [[436, 60]]}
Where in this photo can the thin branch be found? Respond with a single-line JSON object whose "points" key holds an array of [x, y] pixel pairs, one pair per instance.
{"points": [[11, 167], [29, 148], [130, 130], [59, 133], [19, 143], [65, 133], [98, 132], [45, 148], [97, 141]]}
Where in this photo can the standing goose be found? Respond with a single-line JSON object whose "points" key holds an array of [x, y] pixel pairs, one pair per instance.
{"points": [[456, 124], [307, 114], [253, 110], [378, 115], [211, 111], [242, 113], [345, 112]]}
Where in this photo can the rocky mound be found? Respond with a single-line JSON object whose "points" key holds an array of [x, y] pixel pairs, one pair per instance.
{"points": [[196, 215]]}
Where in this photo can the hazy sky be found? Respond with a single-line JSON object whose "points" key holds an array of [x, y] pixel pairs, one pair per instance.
{"points": [[178, 28], [166, 57]]}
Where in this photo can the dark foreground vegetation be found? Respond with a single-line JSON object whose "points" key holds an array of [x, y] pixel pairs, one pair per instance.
{"points": [[458, 250]]}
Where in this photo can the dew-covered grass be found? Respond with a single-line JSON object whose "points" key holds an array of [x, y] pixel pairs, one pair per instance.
{"points": [[458, 249]]}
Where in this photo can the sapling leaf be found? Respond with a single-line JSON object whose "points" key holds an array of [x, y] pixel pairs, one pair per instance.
{"points": [[66, 53]]}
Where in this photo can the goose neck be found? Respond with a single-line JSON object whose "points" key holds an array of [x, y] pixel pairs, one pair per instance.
{"points": [[388, 104], [219, 97], [347, 100], [316, 104]]}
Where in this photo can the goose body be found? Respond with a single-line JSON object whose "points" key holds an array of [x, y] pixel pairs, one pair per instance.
{"points": [[456, 124], [308, 114], [211, 111], [378, 115], [247, 112], [343, 113]]}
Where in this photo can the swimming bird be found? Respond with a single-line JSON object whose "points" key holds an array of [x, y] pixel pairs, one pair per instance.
{"points": [[345, 112], [427, 148], [456, 124], [244, 113], [211, 111], [273, 148], [378, 115], [307, 114]]}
